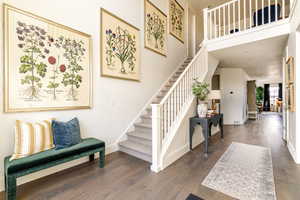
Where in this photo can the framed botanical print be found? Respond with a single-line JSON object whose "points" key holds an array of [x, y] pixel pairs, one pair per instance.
{"points": [[47, 65], [291, 97], [120, 48], [176, 20], [290, 70], [155, 29]]}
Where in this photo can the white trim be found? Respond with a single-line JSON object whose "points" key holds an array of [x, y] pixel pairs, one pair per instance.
{"points": [[171, 158], [278, 28], [292, 12], [111, 149], [155, 169], [174, 131], [293, 152]]}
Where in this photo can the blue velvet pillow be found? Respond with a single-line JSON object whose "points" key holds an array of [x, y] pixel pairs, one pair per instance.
{"points": [[66, 134]]}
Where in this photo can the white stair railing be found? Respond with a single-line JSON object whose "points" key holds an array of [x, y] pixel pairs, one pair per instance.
{"points": [[167, 113], [240, 15]]}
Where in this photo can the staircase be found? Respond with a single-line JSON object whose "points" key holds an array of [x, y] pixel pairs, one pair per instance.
{"points": [[139, 141], [159, 134]]}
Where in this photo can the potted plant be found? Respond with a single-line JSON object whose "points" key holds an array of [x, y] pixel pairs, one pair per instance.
{"points": [[201, 91], [259, 98]]}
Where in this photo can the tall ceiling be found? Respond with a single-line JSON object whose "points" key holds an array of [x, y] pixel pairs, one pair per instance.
{"points": [[200, 4], [261, 60]]}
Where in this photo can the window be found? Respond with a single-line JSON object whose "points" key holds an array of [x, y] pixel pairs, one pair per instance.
{"points": [[273, 94]]}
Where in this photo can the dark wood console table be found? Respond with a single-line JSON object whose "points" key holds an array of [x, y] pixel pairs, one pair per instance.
{"points": [[206, 123]]}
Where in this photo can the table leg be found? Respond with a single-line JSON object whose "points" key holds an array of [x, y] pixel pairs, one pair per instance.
{"points": [[205, 134], [221, 127], [191, 135]]}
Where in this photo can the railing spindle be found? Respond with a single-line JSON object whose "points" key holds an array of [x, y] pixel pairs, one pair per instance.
{"points": [[229, 21], [263, 12], [169, 113], [224, 23], [283, 9], [250, 13], [239, 11], [269, 13], [210, 25], [219, 22], [165, 118], [205, 23], [177, 100], [215, 24], [276, 12], [233, 16], [256, 16], [245, 22]]}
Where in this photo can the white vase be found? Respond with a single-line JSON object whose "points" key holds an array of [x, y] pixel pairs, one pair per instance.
{"points": [[202, 109]]}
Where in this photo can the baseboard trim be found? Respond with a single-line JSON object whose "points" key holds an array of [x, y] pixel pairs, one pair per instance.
{"points": [[293, 152], [46, 172], [171, 158]]}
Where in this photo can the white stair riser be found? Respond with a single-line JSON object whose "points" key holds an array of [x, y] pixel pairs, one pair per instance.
{"points": [[146, 120], [140, 140], [142, 129], [136, 154]]}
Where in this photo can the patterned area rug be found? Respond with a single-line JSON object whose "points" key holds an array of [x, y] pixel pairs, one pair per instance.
{"points": [[244, 172]]}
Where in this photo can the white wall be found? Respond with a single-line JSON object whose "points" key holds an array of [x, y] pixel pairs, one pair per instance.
{"points": [[293, 139], [233, 83], [290, 118], [115, 102], [192, 32]]}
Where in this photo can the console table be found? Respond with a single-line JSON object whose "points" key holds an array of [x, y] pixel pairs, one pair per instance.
{"points": [[206, 124]]}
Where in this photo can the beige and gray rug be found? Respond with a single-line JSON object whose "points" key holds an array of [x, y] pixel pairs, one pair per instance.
{"points": [[244, 172]]}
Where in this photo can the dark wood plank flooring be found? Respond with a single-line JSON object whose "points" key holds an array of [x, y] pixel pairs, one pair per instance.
{"points": [[127, 178]]}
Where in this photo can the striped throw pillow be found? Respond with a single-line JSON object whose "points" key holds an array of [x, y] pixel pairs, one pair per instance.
{"points": [[31, 138]]}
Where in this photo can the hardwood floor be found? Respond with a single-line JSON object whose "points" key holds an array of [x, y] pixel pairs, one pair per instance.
{"points": [[128, 178]]}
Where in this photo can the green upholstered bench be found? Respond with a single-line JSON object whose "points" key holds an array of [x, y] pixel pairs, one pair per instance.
{"points": [[49, 158]]}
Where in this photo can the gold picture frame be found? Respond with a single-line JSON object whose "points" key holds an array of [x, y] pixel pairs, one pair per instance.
{"points": [[155, 29], [115, 61], [290, 70], [40, 79], [176, 20], [291, 97]]}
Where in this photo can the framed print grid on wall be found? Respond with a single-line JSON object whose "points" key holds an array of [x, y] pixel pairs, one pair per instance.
{"points": [[155, 29], [176, 20], [120, 48], [47, 65], [290, 84]]}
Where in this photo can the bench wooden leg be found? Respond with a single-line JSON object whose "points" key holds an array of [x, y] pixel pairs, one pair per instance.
{"points": [[11, 187], [102, 158], [92, 157]]}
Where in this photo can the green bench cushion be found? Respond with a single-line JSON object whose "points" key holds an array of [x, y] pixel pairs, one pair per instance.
{"points": [[51, 155]]}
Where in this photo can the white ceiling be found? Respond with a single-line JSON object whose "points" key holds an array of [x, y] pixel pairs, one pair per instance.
{"points": [[261, 60], [200, 4]]}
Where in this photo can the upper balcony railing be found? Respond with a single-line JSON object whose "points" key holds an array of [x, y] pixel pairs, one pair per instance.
{"points": [[241, 15]]}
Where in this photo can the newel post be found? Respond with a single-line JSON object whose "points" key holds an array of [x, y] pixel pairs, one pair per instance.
{"points": [[205, 23], [156, 137]]}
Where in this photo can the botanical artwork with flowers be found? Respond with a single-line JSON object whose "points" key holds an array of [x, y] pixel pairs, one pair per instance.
{"points": [[176, 18], [120, 48], [47, 65], [155, 29]]}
